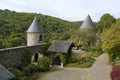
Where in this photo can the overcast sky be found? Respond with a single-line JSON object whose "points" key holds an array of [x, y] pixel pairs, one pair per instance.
{"points": [[72, 10]]}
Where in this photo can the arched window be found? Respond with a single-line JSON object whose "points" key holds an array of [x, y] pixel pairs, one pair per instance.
{"points": [[40, 38], [35, 57]]}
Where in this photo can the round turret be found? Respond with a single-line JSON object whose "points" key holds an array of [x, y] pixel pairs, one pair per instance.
{"points": [[34, 34]]}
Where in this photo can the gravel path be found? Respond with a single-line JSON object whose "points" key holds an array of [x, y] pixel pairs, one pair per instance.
{"points": [[100, 69], [66, 74]]}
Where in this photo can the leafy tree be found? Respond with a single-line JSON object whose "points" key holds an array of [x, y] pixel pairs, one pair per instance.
{"points": [[111, 42], [118, 21], [75, 37], [43, 64], [84, 37], [13, 27], [105, 22], [87, 37]]}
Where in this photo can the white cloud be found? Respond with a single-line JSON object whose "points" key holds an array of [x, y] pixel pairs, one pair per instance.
{"points": [[65, 9]]}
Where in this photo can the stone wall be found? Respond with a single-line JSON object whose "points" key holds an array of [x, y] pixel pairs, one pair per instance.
{"points": [[33, 38], [12, 57]]}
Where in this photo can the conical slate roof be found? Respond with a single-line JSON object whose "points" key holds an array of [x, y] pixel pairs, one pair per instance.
{"points": [[35, 27], [88, 24]]}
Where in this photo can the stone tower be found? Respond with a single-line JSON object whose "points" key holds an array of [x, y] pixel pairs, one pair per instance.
{"points": [[88, 24], [34, 34]]}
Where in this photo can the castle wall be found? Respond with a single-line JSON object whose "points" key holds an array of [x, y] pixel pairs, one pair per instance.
{"points": [[33, 38], [12, 57]]}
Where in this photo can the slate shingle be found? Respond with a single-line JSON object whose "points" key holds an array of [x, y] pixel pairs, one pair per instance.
{"points": [[60, 46], [35, 27], [88, 24], [5, 74]]}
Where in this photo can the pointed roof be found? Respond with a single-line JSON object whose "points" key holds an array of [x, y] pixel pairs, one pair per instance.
{"points": [[88, 24], [35, 27], [5, 74]]}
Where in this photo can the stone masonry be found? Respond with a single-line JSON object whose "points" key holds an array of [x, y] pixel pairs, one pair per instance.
{"points": [[12, 57]]}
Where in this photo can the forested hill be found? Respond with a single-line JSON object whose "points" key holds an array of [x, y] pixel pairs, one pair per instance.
{"points": [[13, 26]]}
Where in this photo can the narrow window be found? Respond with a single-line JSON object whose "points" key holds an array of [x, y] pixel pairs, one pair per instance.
{"points": [[40, 38], [35, 57]]}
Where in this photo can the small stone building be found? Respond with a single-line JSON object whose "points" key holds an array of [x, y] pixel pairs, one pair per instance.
{"points": [[60, 46]]}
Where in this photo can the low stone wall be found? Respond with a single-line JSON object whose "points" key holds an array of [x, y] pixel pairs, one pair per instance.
{"points": [[12, 57]]}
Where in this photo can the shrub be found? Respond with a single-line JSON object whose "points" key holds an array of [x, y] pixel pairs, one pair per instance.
{"points": [[19, 75], [73, 65], [84, 48], [44, 47], [24, 78], [86, 62], [73, 58], [30, 69], [115, 73], [63, 57], [83, 63], [118, 62], [95, 51], [17, 72], [43, 64]]}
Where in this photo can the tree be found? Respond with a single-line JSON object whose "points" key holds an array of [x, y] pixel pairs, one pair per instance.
{"points": [[87, 38], [75, 37], [84, 37], [105, 22], [111, 42], [13, 27]]}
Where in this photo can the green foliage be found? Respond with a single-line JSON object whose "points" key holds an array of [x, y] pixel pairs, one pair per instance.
{"points": [[87, 38], [21, 78], [13, 26], [75, 37], [13, 40], [26, 58], [95, 51], [18, 74], [24, 78], [45, 47], [118, 21], [111, 42], [29, 69], [63, 57], [73, 58], [43, 64], [83, 63], [105, 22], [84, 38]]}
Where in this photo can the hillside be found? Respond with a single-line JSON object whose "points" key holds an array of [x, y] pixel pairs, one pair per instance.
{"points": [[13, 26]]}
